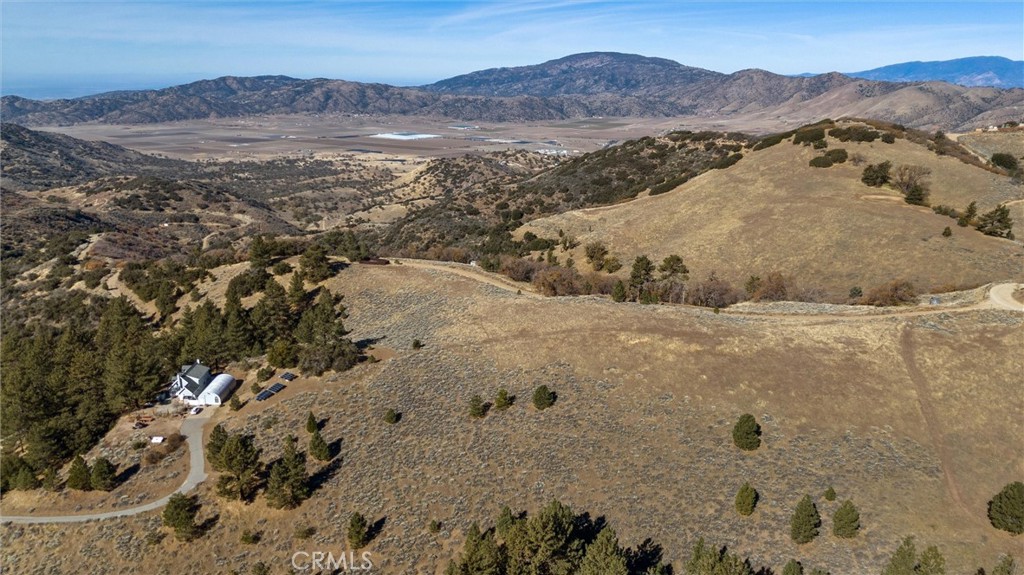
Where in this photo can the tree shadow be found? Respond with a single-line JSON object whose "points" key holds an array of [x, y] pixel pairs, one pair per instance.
{"points": [[334, 448], [207, 524], [126, 474], [375, 528], [366, 343], [321, 477], [647, 557], [587, 528]]}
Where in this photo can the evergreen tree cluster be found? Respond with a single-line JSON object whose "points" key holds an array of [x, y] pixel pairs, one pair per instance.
{"points": [[555, 540]]}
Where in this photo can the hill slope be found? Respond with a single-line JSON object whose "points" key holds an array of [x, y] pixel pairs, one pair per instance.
{"points": [[976, 71], [772, 212]]}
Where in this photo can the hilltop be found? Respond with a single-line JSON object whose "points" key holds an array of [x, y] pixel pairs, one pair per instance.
{"points": [[993, 71], [772, 212]]}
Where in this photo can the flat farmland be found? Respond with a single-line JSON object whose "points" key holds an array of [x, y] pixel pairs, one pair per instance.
{"points": [[302, 135]]}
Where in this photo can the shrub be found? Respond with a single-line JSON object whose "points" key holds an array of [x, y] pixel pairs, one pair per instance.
{"points": [[809, 135], [434, 526], [876, 175], [838, 155], [1006, 509], [417, 344], [543, 397], [889, 138], [1005, 161], [997, 223], [391, 416], [619, 292], [896, 292], [250, 537], [793, 567], [946, 232], [820, 162], [746, 434], [856, 292], [712, 292], [746, 499], [803, 525], [281, 268], [234, 403], [612, 264], [263, 374], [846, 521], [305, 532], [830, 494]]}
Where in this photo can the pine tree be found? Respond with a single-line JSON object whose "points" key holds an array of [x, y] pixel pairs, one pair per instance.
{"points": [[505, 521], [903, 560], [314, 264], [104, 475], [502, 401], [240, 459], [746, 499], [793, 567], [604, 556], [358, 531], [477, 408], [234, 403], [288, 484], [641, 274], [997, 223], [619, 292], [706, 560], [180, 515], [543, 397], [746, 434], [218, 436], [803, 526], [319, 448], [931, 562], [1006, 509], [311, 423], [480, 554], [79, 476], [260, 252], [51, 482], [26, 479], [846, 521], [297, 297]]}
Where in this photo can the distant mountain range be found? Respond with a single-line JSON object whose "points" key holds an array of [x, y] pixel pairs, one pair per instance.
{"points": [[978, 71], [577, 86]]}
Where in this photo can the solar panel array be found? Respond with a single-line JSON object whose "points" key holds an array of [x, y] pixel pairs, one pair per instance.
{"points": [[269, 392], [288, 376], [277, 387]]}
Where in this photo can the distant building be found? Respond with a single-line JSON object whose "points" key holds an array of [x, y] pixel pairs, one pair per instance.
{"points": [[194, 385]]}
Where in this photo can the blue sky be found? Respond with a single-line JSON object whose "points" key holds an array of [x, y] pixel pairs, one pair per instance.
{"points": [[69, 48]]}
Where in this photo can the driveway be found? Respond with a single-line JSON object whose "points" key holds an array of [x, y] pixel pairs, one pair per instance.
{"points": [[192, 429]]}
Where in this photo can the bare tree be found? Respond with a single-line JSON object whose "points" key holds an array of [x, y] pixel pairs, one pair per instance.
{"points": [[905, 178]]}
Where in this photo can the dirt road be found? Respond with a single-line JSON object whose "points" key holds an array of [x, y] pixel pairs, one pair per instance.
{"points": [[192, 429]]}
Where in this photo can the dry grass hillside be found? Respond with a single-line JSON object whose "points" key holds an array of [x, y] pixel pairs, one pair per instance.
{"points": [[773, 212], [912, 417]]}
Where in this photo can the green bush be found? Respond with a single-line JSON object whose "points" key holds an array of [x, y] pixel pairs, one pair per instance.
{"points": [[846, 521], [746, 499], [876, 175], [1006, 509], [830, 494], [477, 407], [1004, 160], [358, 531], [803, 525], [746, 434], [809, 135], [391, 416], [820, 162], [503, 400], [838, 155], [543, 397]]}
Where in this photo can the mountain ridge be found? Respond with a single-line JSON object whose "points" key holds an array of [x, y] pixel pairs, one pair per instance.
{"points": [[577, 86]]}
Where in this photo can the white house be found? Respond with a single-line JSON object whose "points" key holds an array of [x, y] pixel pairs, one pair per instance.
{"points": [[195, 386]]}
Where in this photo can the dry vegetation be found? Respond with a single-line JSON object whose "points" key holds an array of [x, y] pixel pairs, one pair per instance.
{"points": [[908, 416], [772, 212]]}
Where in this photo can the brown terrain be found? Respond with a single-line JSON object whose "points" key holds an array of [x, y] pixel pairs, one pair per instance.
{"points": [[910, 415], [773, 212]]}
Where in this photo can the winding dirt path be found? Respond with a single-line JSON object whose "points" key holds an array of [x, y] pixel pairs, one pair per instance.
{"points": [[931, 420], [471, 272]]}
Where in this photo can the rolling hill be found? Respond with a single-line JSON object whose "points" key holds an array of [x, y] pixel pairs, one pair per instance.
{"points": [[772, 212], [582, 85]]}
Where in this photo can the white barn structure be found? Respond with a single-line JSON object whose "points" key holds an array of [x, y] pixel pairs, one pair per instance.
{"points": [[194, 385]]}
